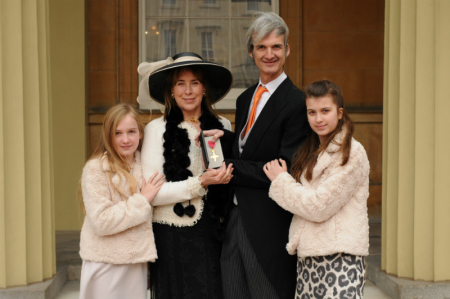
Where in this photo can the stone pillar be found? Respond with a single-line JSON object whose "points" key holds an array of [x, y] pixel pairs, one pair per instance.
{"points": [[416, 140], [27, 248]]}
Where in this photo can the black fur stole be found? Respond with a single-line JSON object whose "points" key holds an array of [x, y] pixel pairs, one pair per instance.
{"points": [[176, 155], [176, 144]]}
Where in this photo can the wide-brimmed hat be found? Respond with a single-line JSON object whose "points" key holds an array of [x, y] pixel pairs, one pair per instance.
{"points": [[154, 81]]}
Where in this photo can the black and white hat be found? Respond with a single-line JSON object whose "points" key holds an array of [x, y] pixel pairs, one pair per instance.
{"points": [[154, 82]]}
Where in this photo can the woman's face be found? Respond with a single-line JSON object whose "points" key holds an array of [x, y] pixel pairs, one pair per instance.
{"points": [[323, 115], [127, 137], [188, 93]]}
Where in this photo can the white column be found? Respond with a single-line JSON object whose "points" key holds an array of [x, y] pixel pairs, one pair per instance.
{"points": [[27, 251], [416, 143]]}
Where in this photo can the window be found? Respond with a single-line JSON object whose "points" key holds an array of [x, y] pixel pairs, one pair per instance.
{"points": [[169, 2], [213, 29], [210, 2], [252, 6], [170, 42], [207, 46]]}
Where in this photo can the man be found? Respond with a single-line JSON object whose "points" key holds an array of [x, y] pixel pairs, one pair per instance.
{"points": [[270, 123]]}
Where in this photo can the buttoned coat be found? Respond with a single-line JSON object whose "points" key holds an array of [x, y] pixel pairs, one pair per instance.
{"points": [[277, 133], [117, 229], [330, 211]]}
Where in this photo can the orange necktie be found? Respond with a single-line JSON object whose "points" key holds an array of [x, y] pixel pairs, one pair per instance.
{"points": [[251, 119]]}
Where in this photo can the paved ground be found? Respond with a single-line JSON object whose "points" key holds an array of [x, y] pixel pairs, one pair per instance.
{"points": [[71, 290], [67, 244]]}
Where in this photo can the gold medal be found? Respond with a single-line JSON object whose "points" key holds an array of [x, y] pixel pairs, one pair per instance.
{"points": [[214, 155]]}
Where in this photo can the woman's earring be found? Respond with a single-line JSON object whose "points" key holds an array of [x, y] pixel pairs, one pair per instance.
{"points": [[204, 94], [172, 95]]}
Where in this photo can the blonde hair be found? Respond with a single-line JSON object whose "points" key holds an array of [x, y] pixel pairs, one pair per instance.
{"points": [[107, 146]]}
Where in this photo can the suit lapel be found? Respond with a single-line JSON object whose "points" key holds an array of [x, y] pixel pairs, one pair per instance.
{"points": [[241, 116], [269, 113]]}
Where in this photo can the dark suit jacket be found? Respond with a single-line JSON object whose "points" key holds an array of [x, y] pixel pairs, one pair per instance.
{"points": [[277, 133]]}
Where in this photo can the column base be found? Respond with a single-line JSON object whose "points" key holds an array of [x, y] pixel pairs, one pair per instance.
{"points": [[403, 288], [41, 290]]}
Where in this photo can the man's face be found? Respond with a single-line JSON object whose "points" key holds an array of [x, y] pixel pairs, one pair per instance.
{"points": [[269, 55]]}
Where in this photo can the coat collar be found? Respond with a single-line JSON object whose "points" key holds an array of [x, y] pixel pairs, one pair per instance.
{"points": [[335, 144], [327, 157], [137, 173], [117, 180], [107, 167]]}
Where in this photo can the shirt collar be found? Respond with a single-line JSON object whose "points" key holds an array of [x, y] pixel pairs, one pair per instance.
{"points": [[273, 85]]}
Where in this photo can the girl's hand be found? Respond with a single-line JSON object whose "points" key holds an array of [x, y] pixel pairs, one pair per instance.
{"points": [[151, 187], [215, 133], [273, 168], [222, 175]]}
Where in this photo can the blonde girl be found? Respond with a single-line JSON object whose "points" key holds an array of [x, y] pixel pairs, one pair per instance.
{"points": [[117, 238], [327, 193]]}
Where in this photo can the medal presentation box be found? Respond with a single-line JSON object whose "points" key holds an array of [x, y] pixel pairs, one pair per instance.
{"points": [[211, 152]]}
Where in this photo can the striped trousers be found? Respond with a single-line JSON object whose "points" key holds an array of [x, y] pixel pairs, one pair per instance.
{"points": [[242, 276]]}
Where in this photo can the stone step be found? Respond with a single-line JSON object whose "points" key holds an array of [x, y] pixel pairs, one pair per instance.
{"points": [[73, 272], [42, 290], [402, 288]]}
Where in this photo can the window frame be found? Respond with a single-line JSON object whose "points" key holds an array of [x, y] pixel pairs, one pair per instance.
{"points": [[210, 2], [169, 2], [253, 3], [209, 45], [169, 35]]}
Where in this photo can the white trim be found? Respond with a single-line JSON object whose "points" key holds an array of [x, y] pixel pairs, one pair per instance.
{"points": [[276, 6], [141, 37], [229, 102]]}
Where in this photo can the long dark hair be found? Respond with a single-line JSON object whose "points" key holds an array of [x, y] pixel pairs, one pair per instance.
{"points": [[172, 78], [176, 146], [306, 157]]}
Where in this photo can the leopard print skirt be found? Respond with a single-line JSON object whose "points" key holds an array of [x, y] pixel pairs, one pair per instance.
{"points": [[333, 276]]}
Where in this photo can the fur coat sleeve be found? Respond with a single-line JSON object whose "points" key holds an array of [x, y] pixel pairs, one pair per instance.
{"points": [[334, 186], [330, 211], [153, 160]]}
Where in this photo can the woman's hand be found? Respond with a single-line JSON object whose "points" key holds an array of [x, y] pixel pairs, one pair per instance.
{"points": [[151, 187], [273, 168], [215, 133], [222, 175]]}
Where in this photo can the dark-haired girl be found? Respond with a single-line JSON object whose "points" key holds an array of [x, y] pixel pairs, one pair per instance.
{"points": [[327, 193]]}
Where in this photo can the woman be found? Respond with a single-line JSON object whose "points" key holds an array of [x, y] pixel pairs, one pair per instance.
{"points": [[187, 222], [327, 193], [117, 239]]}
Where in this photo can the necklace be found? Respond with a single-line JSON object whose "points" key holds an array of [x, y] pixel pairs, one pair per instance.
{"points": [[192, 120]]}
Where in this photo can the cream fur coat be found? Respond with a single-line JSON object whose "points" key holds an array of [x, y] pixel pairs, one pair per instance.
{"points": [[330, 211], [116, 229]]}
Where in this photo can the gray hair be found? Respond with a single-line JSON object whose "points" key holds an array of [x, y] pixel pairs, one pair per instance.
{"points": [[263, 26]]}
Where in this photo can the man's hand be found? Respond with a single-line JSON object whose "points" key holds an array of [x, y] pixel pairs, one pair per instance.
{"points": [[215, 133]]}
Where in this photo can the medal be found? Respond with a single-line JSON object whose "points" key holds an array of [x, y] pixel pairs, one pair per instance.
{"points": [[214, 155]]}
